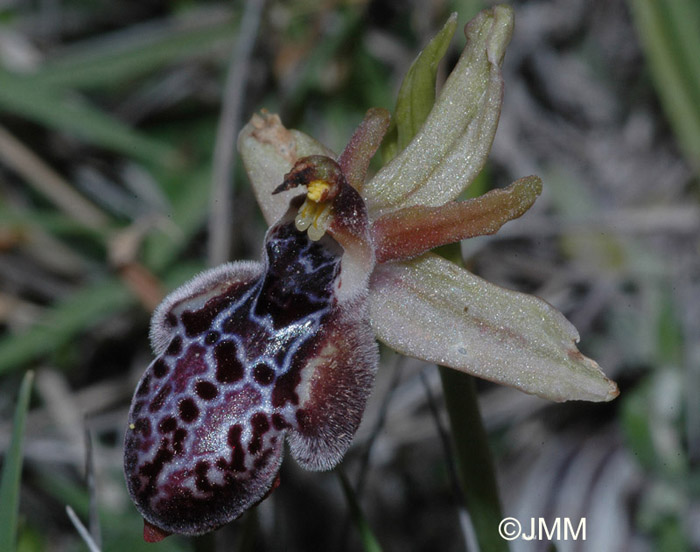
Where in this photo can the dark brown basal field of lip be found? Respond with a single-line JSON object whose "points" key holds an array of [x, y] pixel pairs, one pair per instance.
{"points": [[110, 142]]}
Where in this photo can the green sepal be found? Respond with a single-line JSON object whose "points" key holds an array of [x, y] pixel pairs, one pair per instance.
{"points": [[417, 93]]}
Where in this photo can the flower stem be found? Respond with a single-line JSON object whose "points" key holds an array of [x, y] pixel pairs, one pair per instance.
{"points": [[477, 475]]}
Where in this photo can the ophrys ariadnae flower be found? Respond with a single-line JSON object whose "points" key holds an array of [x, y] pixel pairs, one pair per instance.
{"points": [[251, 354]]}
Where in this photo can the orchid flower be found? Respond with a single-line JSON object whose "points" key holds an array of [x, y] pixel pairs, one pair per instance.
{"points": [[251, 354]]}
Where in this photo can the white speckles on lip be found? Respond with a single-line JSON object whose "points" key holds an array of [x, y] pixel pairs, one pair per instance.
{"points": [[206, 428]]}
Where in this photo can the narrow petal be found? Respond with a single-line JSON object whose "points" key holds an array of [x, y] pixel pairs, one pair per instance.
{"points": [[431, 309], [269, 151], [452, 146], [354, 161], [412, 231]]}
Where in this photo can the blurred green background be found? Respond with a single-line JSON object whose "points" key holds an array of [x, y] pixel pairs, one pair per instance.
{"points": [[108, 124]]}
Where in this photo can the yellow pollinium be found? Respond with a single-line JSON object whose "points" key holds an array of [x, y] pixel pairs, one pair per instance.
{"points": [[314, 213], [316, 190]]}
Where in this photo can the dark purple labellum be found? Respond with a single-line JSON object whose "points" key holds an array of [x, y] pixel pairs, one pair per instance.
{"points": [[248, 354]]}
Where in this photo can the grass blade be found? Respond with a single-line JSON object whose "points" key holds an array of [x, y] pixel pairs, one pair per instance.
{"points": [[12, 469], [63, 321], [114, 59], [669, 46], [56, 109], [369, 541], [82, 531]]}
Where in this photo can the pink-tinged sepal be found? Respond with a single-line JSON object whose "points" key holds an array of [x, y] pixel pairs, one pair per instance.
{"points": [[452, 145], [430, 308], [269, 151]]}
